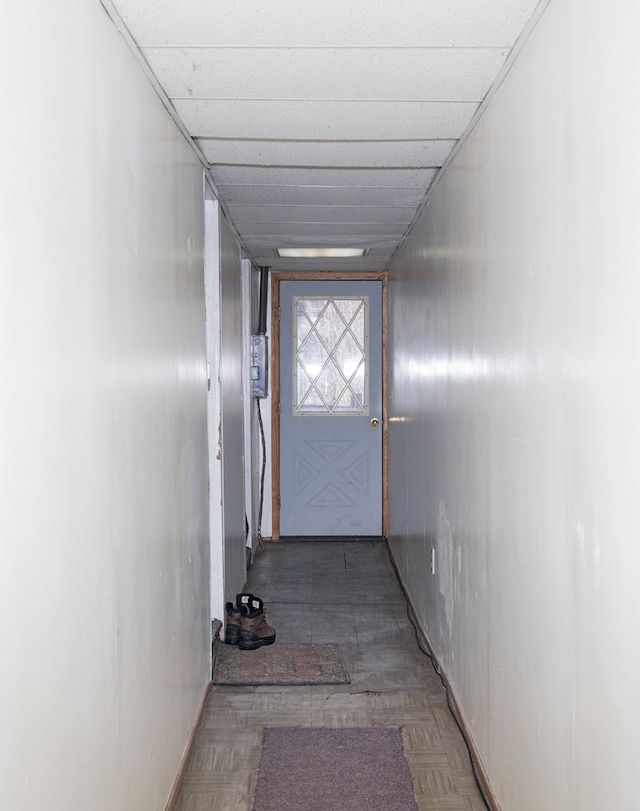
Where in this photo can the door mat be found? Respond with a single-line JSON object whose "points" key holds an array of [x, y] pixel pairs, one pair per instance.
{"points": [[333, 770], [280, 665]]}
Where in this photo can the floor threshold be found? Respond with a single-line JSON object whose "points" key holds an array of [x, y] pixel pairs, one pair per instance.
{"points": [[331, 538]]}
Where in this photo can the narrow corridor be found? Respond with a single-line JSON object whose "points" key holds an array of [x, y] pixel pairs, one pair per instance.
{"points": [[346, 593]]}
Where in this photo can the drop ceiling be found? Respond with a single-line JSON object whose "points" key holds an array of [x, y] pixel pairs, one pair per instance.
{"points": [[324, 124]]}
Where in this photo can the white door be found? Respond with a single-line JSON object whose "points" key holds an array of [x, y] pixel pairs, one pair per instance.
{"points": [[330, 409]]}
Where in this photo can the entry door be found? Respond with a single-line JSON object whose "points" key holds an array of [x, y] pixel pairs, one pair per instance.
{"points": [[330, 408]]}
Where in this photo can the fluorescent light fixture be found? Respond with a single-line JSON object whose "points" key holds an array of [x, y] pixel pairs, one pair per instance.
{"points": [[320, 253]]}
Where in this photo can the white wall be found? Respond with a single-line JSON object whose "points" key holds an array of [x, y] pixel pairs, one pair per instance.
{"points": [[231, 380], [104, 614], [226, 415], [514, 442], [266, 404], [253, 440]]}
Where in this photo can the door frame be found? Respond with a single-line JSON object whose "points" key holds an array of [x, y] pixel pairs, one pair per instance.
{"points": [[314, 276]]}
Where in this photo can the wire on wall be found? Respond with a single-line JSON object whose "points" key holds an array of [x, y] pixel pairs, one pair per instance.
{"points": [[262, 474]]}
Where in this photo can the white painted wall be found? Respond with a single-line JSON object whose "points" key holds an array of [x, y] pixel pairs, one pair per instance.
{"points": [[249, 434], [515, 438], [214, 403], [232, 399], [266, 406], [252, 434], [104, 615], [225, 411]]}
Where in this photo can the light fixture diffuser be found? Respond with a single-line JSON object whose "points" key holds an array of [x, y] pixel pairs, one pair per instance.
{"points": [[320, 253]]}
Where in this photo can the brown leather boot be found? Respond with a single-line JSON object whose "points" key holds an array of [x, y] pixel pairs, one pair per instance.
{"points": [[254, 631], [234, 618]]}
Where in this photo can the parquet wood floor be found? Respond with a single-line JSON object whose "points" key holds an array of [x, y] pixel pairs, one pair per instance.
{"points": [[345, 593]]}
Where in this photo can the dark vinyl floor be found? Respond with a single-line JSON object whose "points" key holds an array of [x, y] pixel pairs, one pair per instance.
{"points": [[345, 593]]}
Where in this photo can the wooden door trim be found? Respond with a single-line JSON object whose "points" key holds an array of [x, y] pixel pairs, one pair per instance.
{"points": [[310, 276], [275, 408]]}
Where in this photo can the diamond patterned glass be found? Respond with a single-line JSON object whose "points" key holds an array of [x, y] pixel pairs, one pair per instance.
{"points": [[330, 342]]}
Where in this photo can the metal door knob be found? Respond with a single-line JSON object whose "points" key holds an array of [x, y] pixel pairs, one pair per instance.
{"points": [[375, 422]]}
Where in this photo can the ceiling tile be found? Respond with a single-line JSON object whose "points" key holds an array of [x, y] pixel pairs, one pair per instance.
{"points": [[391, 74], [319, 195], [383, 154], [324, 120], [315, 231], [273, 176], [269, 244], [364, 264], [320, 214], [332, 23]]}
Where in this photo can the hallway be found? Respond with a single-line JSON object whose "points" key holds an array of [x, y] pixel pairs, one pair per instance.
{"points": [[348, 593], [132, 456]]}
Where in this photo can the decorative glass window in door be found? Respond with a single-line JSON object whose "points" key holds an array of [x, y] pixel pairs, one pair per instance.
{"points": [[331, 364]]}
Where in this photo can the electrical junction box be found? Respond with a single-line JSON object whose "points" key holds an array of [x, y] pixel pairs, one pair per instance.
{"points": [[259, 366]]}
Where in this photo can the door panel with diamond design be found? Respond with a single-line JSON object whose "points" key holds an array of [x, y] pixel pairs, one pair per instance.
{"points": [[330, 408]]}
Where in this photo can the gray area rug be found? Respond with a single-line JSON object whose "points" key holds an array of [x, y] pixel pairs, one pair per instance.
{"points": [[333, 770], [286, 664]]}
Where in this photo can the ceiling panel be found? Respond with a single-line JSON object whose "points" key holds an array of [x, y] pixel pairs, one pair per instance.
{"points": [[358, 23], [319, 230], [409, 154], [321, 214], [365, 263], [269, 244], [390, 74], [321, 195], [335, 120], [273, 176]]}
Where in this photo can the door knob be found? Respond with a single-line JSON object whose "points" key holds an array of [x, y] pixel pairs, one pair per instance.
{"points": [[375, 422]]}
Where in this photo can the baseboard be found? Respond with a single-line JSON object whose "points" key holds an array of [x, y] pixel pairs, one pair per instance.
{"points": [[332, 538], [481, 772], [454, 706], [177, 783]]}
